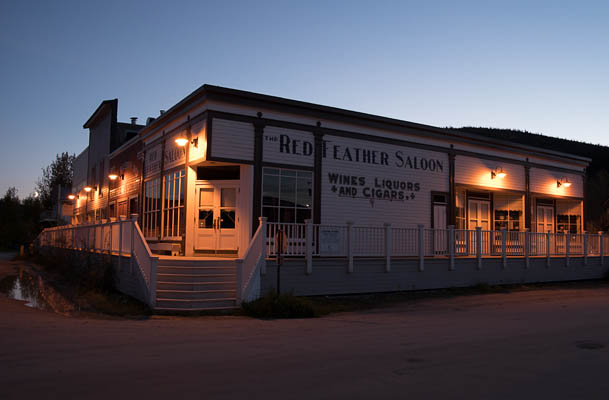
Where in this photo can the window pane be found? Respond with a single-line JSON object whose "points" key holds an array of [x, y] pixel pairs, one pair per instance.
{"points": [[287, 193], [270, 190], [206, 219], [228, 197], [271, 213], [304, 193], [287, 215], [302, 215], [206, 197], [227, 219]]}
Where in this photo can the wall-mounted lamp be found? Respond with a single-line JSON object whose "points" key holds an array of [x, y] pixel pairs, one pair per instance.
{"points": [[72, 196], [563, 182], [181, 141], [87, 189], [114, 176], [498, 173]]}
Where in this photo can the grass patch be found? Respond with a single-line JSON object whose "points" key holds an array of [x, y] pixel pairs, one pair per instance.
{"points": [[87, 280], [280, 306]]}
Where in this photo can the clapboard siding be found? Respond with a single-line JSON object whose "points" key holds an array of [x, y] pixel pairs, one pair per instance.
{"points": [[288, 146], [360, 202], [544, 181], [232, 139], [476, 171], [330, 276]]}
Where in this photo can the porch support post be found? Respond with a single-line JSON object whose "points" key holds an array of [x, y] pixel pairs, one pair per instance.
{"points": [[601, 247], [263, 250], [387, 247], [350, 246], [527, 242], [421, 247], [451, 247], [309, 245], [586, 248], [504, 247], [479, 246], [567, 248], [548, 248]]}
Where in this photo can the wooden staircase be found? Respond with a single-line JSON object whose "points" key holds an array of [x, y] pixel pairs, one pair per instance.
{"points": [[196, 284]]}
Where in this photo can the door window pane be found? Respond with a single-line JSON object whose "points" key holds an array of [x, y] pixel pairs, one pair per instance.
{"points": [[228, 197], [206, 219], [227, 219], [206, 197]]}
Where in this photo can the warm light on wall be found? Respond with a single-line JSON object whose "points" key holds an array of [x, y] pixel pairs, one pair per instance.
{"points": [[563, 182], [498, 173]]}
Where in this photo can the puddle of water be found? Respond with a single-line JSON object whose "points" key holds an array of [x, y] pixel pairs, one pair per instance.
{"points": [[36, 294]]}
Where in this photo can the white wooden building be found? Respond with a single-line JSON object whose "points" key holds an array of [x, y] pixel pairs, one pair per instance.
{"points": [[209, 167]]}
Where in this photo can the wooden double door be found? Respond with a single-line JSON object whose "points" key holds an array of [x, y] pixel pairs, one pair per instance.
{"points": [[216, 216]]}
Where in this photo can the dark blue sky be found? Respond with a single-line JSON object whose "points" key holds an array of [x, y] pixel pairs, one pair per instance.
{"points": [[540, 66]]}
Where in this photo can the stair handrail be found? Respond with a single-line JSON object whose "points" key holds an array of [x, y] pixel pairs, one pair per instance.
{"points": [[248, 267]]}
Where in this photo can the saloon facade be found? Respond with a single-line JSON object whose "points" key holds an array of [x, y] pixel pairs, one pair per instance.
{"points": [[201, 174]]}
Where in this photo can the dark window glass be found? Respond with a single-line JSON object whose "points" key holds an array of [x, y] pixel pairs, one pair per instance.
{"points": [[206, 219], [271, 213], [287, 192], [270, 187], [227, 219], [302, 215]]}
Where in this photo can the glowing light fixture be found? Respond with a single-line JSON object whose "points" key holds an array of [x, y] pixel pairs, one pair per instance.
{"points": [[498, 173], [112, 177], [72, 196], [88, 189], [181, 141], [563, 182]]}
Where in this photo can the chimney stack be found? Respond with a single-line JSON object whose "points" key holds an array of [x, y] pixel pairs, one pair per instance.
{"points": [[162, 112], [133, 120]]}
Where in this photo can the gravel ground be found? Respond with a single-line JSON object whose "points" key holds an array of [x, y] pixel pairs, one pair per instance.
{"points": [[547, 343]]}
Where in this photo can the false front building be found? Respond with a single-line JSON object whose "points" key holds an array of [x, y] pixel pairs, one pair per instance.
{"points": [[201, 174]]}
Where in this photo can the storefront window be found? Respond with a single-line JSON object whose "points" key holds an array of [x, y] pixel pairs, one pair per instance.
{"points": [[508, 212], [151, 219], [568, 216], [287, 195], [173, 204]]}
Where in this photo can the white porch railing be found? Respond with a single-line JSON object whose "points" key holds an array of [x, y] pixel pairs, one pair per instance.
{"points": [[387, 241], [122, 238], [252, 265]]}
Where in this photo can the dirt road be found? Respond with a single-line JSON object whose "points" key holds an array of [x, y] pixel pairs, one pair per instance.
{"points": [[534, 344]]}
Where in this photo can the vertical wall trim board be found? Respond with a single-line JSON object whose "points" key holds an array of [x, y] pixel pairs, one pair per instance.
{"points": [[452, 198], [259, 125], [317, 176]]}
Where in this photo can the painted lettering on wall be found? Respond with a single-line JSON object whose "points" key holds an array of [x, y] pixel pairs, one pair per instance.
{"points": [[375, 188], [299, 147]]}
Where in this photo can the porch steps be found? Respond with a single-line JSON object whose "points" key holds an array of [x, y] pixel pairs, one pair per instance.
{"points": [[195, 284]]}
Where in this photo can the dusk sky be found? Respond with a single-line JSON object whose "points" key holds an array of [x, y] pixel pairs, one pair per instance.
{"points": [[530, 65]]}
